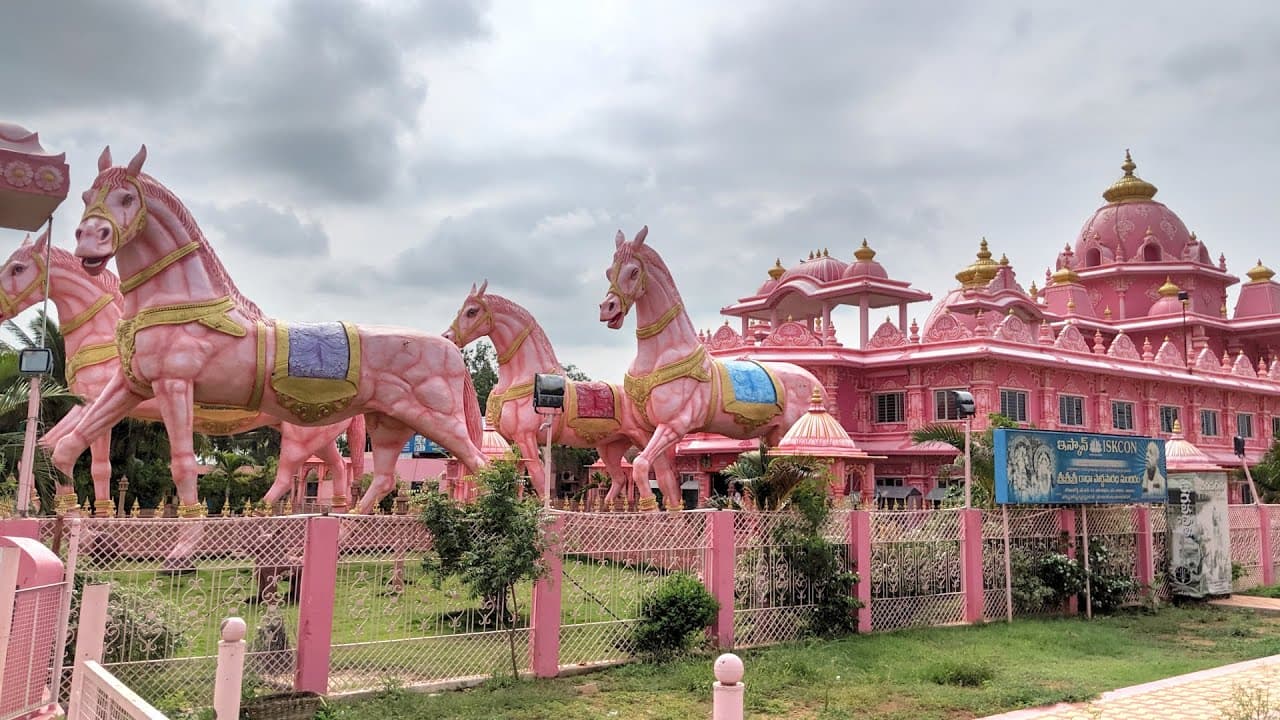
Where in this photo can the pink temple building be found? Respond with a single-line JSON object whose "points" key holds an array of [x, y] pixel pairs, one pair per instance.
{"points": [[1131, 333]]}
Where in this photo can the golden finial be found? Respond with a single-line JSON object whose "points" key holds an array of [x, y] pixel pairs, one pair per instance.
{"points": [[1071, 305], [981, 271], [825, 253], [777, 270], [810, 254], [1129, 187], [1004, 259], [1260, 273], [1223, 310], [1106, 312], [1034, 290], [1168, 289], [815, 397], [1065, 275], [1177, 426], [864, 253]]}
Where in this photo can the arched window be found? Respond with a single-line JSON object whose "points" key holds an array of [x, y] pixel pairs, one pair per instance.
{"points": [[1151, 252], [1093, 257]]}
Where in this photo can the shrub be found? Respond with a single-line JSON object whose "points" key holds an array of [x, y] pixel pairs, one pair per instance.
{"points": [[820, 562], [959, 672], [671, 616]]}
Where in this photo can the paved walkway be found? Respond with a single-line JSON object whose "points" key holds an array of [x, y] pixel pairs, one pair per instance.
{"points": [[1249, 602], [1203, 695]]}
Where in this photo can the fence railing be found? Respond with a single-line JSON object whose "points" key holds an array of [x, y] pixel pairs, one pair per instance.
{"points": [[343, 603]]}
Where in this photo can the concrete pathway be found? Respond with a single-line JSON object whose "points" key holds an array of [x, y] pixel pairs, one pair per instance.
{"points": [[1249, 602], [1223, 692]]}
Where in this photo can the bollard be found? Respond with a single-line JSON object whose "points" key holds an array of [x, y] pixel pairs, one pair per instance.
{"points": [[230, 673], [728, 691]]}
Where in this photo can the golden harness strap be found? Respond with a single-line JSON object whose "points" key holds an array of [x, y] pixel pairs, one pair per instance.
{"points": [[640, 387], [98, 209], [493, 407], [213, 314], [133, 282], [649, 331], [89, 355], [76, 322]]}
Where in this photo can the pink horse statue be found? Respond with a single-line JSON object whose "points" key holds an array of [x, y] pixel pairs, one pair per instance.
{"points": [[188, 336], [89, 308], [676, 386], [597, 414]]}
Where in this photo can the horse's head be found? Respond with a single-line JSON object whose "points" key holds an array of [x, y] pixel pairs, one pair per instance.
{"points": [[473, 320], [22, 277], [626, 279], [115, 211]]}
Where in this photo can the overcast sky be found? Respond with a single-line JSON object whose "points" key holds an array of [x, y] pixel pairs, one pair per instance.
{"points": [[369, 161]]}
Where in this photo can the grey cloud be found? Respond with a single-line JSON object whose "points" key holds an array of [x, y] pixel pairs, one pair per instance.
{"points": [[96, 54], [266, 231]]}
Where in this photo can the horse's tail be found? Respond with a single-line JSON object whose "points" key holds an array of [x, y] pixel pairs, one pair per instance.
{"points": [[355, 445], [471, 407]]}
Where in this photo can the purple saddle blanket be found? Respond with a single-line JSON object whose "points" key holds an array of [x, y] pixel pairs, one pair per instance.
{"points": [[319, 350]]}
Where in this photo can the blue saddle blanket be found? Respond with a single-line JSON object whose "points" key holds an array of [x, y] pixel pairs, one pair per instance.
{"points": [[319, 350], [751, 384]]}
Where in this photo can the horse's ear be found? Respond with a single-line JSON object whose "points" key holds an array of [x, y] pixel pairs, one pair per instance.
{"points": [[26, 240], [640, 236], [473, 289], [619, 239], [135, 165], [104, 160], [483, 286], [42, 242]]}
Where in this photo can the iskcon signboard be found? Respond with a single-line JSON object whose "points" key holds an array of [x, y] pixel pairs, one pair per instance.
{"points": [[1042, 467]]}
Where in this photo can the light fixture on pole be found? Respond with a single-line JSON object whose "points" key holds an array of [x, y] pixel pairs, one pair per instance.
{"points": [[548, 399], [1237, 443], [960, 403], [1185, 298], [34, 363]]}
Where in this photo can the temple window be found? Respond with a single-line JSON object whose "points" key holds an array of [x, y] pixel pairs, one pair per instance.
{"points": [[890, 407], [1013, 405], [1275, 427], [1168, 416], [943, 407], [1071, 410], [1121, 415], [1244, 425], [1093, 258], [1209, 423], [1151, 252]]}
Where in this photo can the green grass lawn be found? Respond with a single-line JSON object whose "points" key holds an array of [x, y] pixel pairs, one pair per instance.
{"points": [[1269, 591], [956, 672]]}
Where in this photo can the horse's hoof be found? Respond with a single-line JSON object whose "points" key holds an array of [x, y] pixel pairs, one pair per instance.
{"points": [[648, 504]]}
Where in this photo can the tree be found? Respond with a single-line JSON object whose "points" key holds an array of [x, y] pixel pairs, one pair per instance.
{"points": [[1266, 474], [768, 482], [482, 363], [491, 544], [982, 463]]}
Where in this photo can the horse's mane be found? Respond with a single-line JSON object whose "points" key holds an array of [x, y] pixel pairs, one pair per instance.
{"points": [[105, 281], [501, 305], [212, 264], [652, 260]]}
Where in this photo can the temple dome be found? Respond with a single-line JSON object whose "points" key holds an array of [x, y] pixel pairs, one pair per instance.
{"points": [[817, 434], [864, 264], [1133, 227], [820, 266]]}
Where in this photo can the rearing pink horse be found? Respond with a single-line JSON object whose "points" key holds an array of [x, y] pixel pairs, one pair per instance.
{"points": [[599, 415], [677, 386], [188, 336], [88, 310]]}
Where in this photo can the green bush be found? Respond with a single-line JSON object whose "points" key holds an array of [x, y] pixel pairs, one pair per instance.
{"points": [[959, 672], [671, 616], [1051, 578]]}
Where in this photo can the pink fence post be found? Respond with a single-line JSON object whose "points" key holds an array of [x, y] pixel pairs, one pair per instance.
{"points": [[727, 692], [971, 564], [860, 544], [90, 639], [1067, 526], [1146, 565], [315, 605], [227, 683], [544, 621], [1264, 546], [719, 573]]}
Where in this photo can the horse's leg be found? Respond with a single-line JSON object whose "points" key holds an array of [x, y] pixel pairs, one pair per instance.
{"points": [[64, 426], [293, 452], [611, 454], [176, 400], [100, 450], [664, 439], [335, 478], [388, 436], [111, 407]]}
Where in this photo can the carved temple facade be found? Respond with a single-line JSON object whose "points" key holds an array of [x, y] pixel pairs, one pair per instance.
{"points": [[1130, 334]]}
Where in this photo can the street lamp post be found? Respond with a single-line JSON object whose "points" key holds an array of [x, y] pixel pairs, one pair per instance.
{"points": [[548, 399], [1185, 297], [962, 403]]}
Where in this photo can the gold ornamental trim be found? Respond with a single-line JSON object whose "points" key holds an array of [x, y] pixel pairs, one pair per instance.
{"points": [[89, 355], [639, 388]]}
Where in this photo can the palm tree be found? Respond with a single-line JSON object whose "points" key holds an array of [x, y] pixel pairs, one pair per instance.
{"points": [[769, 482], [982, 460], [56, 399]]}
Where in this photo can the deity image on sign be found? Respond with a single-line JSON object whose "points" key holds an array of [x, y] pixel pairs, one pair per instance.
{"points": [[1042, 476], [1152, 479], [1020, 466]]}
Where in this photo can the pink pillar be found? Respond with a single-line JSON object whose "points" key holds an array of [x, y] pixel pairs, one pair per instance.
{"points": [[315, 605], [860, 544], [544, 630], [1264, 546], [971, 564], [1146, 569], [229, 679], [719, 573], [1067, 526]]}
